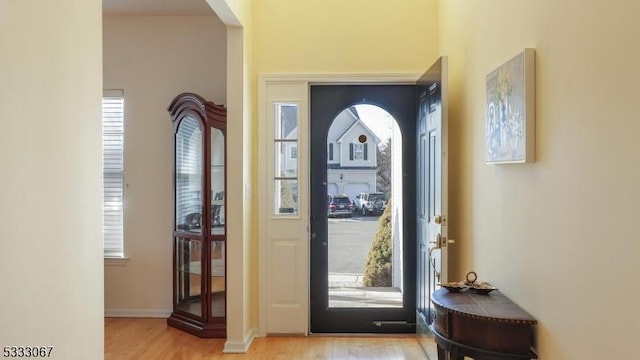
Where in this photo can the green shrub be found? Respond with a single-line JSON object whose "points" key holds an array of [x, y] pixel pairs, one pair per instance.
{"points": [[377, 272]]}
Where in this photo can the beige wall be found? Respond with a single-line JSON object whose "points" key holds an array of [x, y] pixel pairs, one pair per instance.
{"points": [[558, 236], [51, 273], [334, 36], [153, 59]]}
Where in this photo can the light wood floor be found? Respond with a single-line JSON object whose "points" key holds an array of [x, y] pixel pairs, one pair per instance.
{"points": [[127, 338]]}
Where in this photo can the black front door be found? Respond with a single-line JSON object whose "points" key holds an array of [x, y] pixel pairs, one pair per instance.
{"points": [[327, 101]]}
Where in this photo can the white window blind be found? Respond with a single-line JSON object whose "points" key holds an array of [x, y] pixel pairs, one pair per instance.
{"points": [[113, 171]]}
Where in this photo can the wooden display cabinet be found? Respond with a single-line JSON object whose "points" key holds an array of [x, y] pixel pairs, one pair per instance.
{"points": [[199, 231]]}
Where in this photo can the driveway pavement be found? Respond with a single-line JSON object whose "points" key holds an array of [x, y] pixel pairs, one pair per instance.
{"points": [[349, 242]]}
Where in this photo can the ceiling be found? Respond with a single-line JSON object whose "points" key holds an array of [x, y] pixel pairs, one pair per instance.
{"points": [[156, 7]]}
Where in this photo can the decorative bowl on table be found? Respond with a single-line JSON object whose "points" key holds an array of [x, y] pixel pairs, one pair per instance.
{"points": [[482, 287], [454, 286]]}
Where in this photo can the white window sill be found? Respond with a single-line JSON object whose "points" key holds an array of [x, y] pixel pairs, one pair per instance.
{"points": [[116, 261]]}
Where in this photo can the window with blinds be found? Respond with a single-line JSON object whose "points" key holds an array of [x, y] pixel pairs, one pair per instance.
{"points": [[113, 171]]}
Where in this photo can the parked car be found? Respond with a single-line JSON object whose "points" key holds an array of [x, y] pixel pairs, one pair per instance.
{"points": [[339, 205], [370, 203]]}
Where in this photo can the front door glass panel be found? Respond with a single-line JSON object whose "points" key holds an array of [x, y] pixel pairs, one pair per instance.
{"points": [[363, 204]]}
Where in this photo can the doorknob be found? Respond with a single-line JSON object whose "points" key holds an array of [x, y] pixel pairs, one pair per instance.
{"points": [[437, 242], [441, 241]]}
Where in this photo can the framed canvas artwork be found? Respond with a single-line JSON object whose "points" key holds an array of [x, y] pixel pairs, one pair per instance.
{"points": [[510, 111]]}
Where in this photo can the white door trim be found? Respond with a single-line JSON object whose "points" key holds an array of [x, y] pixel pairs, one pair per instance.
{"points": [[266, 84]]}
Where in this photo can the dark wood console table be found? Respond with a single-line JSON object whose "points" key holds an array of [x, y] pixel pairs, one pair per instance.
{"points": [[482, 327]]}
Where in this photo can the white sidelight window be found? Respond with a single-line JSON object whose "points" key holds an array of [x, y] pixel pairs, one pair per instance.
{"points": [[286, 159]]}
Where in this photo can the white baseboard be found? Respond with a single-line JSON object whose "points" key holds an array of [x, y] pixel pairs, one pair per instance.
{"points": [[137, 313], [240, 347]]}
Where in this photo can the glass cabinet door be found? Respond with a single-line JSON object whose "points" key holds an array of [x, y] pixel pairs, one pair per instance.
{"points": [[217, 182], [189, 176], [188, 208], [188, 276], [218, 227], [218, 283]]}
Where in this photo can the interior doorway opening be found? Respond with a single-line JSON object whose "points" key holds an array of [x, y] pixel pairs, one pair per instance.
{"points": [[364, 209]]}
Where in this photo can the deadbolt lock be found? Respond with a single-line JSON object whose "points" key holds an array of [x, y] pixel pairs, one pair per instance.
{"points": [[437, 219]]}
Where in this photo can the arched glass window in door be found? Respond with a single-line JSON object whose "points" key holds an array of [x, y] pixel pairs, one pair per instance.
{"points": [[364, 208]]}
